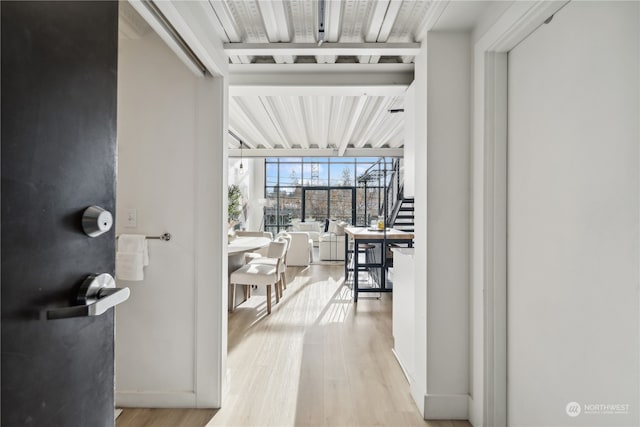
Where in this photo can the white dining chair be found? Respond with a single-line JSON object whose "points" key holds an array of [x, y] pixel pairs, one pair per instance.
{"points": [[275, 259], [264, 271]]}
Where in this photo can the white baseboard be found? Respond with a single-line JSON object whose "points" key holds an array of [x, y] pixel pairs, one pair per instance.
{"points": [[418, 395], [404, 371], [149, 399], [446, 407], [475, 418]]}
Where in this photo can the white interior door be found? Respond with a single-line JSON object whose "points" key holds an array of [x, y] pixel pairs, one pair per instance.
{"points": [[573, 218]]}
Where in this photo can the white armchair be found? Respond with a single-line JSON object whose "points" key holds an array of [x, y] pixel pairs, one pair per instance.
{"points": [[301, 250], [314, 228]]}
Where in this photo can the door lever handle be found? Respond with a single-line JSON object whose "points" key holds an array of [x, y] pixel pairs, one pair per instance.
{"points": [[97, 294]]}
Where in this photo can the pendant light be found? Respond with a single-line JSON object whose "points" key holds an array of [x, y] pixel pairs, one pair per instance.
{"points": [[241, 158]]}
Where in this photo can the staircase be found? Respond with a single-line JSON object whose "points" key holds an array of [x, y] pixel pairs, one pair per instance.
{"points": [[402, 215], [399, 210]]}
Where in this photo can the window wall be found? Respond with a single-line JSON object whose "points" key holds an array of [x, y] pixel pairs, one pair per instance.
{"points": [[317, 188]]}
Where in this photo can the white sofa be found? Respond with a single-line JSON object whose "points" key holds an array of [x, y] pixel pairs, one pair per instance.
{"points": [[332, 242], [300, 251], [331, 247]]}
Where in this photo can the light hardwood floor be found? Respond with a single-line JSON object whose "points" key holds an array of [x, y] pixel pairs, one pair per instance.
{"points": [[317, 360]]}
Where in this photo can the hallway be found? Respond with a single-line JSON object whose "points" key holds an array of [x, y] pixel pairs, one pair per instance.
{"points": [[316, 360]]}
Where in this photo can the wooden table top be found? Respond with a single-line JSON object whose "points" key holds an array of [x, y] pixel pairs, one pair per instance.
{"points": [[364, 233]]}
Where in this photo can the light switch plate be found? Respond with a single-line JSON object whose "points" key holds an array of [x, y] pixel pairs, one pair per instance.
{"points": [[131, 218]]}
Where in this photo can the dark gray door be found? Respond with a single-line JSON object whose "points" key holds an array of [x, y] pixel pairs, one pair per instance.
{"points": [[59, 87]]}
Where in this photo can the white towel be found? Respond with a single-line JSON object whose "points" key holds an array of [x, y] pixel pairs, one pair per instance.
{"points": [[129, 266], [131, 256]]}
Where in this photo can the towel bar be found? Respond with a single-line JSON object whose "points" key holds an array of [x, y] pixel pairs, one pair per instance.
{"points": [[166, 237]]}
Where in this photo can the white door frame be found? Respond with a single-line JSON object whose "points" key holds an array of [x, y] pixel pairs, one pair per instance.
{"points": [[490, 135]]}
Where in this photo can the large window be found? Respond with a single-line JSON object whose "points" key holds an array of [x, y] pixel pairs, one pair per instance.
{"points": [[316, 188]]}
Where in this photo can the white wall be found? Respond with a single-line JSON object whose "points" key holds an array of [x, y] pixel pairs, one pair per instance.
{"points": [[448, 87], [419, 376], [408, 162], [501, 27], [256, 211], [251, 182], [442, 99], [170, 169], [509, 28], [573, 209]]}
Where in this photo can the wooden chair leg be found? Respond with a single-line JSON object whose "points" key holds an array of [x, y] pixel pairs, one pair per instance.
{"points": [[277, 292], [279, 287], [233, 297], [247, 291], [284, 279], [268, 299]]}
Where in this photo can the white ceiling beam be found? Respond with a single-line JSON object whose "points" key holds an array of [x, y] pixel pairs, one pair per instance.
{"points": [[323, 117], [333, 13], [397, 138], [320, 80], [344, 89], [228, 28], [386, 26], [255, 113], [276, 25], [275, 20], [317, 152], [247, 122], [309, 118], [233, 142], [379, 121], [296, 122], [274, 117], [386, 136], [367, 115], [332, 22], [375, 23], [389, 20], [347, 49], [356, 112], [436, 8], [338, 120]]}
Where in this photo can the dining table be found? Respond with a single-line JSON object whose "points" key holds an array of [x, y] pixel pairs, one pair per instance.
{"points": [[236, 249], [243, 244]]}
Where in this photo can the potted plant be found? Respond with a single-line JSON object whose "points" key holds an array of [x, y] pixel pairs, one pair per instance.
{"points": [[235, 205]]}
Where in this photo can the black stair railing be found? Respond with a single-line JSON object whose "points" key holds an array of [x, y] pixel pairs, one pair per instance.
{"points": [[395, 210], [393, 193]]}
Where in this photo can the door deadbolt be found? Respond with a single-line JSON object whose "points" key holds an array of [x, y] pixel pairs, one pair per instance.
{"points": [[96, 221]]}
